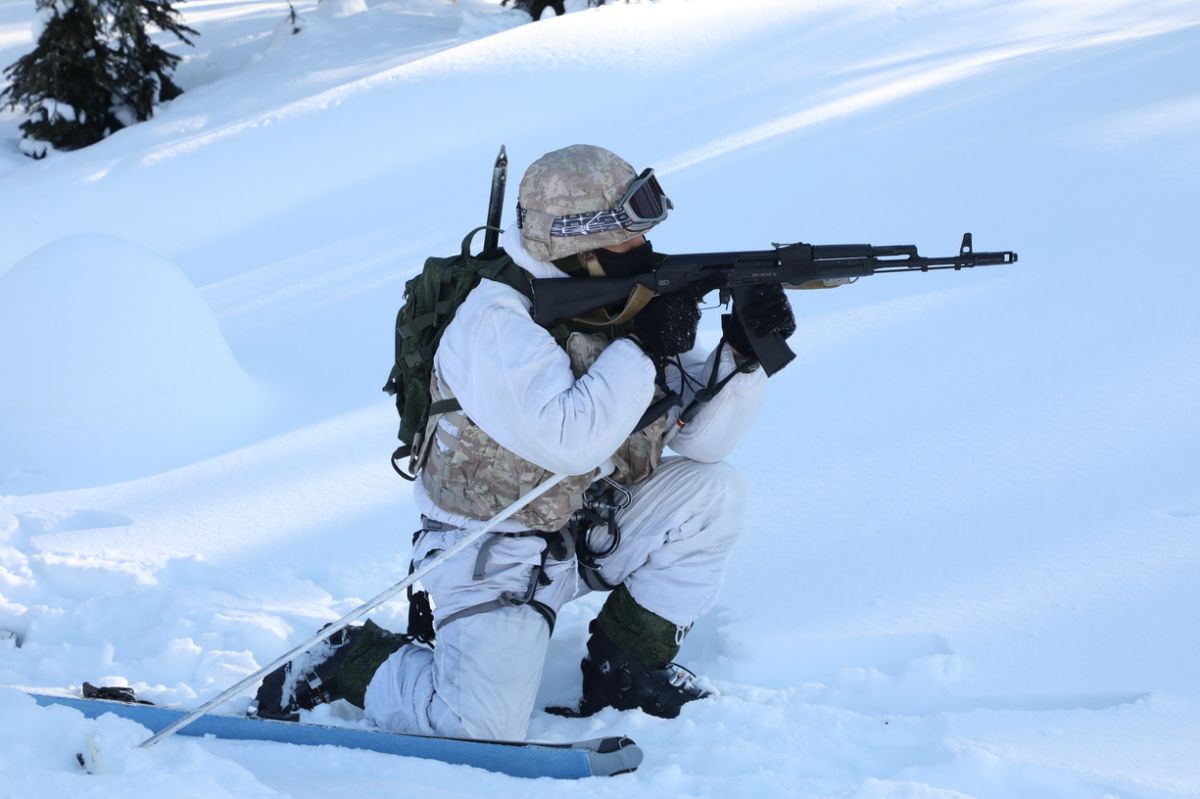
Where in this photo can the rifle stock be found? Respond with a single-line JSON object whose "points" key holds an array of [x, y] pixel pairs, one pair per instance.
{"points": [[555, 300]]}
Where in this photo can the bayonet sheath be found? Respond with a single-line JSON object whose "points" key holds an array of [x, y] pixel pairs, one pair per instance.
{"points": [[491, 237]]}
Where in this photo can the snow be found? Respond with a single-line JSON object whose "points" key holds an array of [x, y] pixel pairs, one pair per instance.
{"points": [[971, 561], [115, 367]]}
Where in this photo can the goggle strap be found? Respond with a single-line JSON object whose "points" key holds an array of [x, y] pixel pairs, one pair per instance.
{"points": [[645, 189]]}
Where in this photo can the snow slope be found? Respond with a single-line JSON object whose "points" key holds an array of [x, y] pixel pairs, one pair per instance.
{"points": [[972, 557]]}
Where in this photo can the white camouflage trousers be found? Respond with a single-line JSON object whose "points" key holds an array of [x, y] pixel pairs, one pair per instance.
{"points": [[481, 679]]}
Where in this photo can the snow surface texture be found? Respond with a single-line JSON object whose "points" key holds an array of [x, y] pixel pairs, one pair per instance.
{"points": [[972, 563], [116, 364]]}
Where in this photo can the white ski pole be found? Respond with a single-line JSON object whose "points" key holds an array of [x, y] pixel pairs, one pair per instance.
{"points": [[356, 614]]}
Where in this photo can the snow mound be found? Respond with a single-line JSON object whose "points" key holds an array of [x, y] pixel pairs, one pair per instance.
{"points": [[113, 367]]}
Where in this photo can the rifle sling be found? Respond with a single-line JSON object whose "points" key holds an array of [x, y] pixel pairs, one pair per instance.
{"points": [[638, 298], [713, 388]]}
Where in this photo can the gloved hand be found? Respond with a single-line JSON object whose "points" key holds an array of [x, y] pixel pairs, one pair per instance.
{"points": [[667, 325], [768, 311]]}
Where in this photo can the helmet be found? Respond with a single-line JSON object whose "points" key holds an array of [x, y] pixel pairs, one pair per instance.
{"points": [[584, 197]]}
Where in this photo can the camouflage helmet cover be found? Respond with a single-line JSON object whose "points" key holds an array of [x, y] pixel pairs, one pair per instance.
{"points": [[578, 179]]}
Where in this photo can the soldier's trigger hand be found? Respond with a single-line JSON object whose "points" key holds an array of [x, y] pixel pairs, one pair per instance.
{"points": [[667, 325]]}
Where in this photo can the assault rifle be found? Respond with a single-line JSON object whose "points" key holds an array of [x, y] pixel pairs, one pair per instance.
{"points": [[736, 273]]}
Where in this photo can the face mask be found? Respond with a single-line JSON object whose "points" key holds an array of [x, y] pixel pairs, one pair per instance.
{"points": [[637, 261]]}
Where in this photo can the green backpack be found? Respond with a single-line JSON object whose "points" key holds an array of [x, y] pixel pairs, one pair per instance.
{"points": [[430, 301]]}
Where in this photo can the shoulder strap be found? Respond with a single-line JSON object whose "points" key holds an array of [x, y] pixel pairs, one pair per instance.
{"points": [[505, 270]]}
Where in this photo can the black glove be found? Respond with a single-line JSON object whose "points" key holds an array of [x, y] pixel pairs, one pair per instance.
{"points": [[667, 325], [768, 311]]}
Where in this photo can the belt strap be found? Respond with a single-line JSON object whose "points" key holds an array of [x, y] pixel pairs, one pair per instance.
{"points": [[509, 598], [542, 608]]}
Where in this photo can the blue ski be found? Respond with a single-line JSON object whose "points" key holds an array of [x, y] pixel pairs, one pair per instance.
{"points": [[601, 757]]}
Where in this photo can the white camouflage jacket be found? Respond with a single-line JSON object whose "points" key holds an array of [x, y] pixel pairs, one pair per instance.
{"points": [[515, 382]]}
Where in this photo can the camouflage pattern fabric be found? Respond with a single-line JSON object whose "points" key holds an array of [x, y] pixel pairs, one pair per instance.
{"points": [[578, 179], [467, 472], [639, 456]]}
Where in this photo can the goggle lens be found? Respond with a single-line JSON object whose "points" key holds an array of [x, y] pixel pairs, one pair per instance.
{"points": [[647, 201]]}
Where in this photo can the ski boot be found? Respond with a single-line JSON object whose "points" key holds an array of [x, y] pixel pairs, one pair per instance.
{"points": [[613, 679], [340, 668], [628, 662]]}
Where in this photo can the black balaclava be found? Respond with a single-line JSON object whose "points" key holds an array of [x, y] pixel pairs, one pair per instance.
{"points": [[637, 261]]}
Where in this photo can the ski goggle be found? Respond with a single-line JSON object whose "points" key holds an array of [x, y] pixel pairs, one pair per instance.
{"points": [[642, 207]]}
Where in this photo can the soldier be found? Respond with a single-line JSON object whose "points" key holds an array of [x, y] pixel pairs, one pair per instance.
{"points": [[654, 532]]}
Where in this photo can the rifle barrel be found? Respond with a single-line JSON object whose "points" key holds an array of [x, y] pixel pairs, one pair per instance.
{"points": [[962, 261]]}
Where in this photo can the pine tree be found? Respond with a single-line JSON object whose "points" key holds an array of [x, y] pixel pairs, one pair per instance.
{"points": [[93, 71]]}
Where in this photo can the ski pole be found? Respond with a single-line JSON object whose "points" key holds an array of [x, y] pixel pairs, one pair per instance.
{"points": [[357, 613]]}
